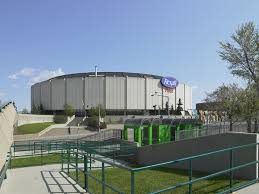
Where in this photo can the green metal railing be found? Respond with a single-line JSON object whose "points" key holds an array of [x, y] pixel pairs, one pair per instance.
{"points": [[231, 169], [4, 169], [77, 157]]}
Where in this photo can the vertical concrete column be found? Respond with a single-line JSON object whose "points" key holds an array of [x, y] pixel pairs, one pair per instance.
{"points": [[126, 93], [145, 96], [104, 93], [83, 99], [65, 80]]}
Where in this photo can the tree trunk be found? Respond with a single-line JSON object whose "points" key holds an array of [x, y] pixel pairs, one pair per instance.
{"points": [[249, 125], [230, 124], [256, 127]]}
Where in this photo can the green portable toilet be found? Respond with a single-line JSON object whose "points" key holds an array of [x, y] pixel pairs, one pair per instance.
{"points": [[161, 132], [174, 125], [142, 131]]}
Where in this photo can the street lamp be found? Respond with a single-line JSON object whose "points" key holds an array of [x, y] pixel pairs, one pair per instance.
{"points": [[163, 96]]}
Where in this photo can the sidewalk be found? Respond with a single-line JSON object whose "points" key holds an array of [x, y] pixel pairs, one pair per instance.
{"points": [[253, 189], [39, 180]]}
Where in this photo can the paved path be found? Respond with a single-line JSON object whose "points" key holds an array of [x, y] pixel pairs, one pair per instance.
{"points": [[253, 189], [39, 180]]}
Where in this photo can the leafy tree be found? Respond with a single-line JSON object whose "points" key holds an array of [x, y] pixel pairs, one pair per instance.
{"points": [[94, 111], [227, 98], [249, 103], [35, 109], [25, 111], [68, 110], [242, 53], [41, 109], [93, 121]]}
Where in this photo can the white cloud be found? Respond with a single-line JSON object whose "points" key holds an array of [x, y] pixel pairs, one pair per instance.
{"points": [[25, 72], [13, 76], [45, 75]]}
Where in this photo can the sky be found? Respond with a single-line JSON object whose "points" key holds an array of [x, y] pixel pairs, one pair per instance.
{"points": [[40, 39]]}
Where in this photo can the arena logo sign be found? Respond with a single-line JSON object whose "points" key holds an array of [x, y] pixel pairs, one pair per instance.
{"points": [[169, 82]]}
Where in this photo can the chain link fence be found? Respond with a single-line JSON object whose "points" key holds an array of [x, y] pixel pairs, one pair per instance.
{"points": [[213, 129]]}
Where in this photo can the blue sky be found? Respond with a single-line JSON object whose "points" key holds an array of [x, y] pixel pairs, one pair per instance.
{"points": [[44, 38]]}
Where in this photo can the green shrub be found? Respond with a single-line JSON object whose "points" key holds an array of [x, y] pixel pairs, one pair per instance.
{"points": [[60, 119], [94, 111], [69, 110], [93, 122]]}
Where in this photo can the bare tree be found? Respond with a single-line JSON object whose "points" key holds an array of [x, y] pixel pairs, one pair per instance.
{"points": [[227, 98]]}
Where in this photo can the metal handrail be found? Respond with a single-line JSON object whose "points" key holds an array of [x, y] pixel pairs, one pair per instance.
{"points": [[195, 157], [191, 181], [90, 149], [4, 169]]}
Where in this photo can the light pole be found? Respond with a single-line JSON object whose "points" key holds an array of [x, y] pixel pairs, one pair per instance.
{"points": [[163, 96], [96, 75]]}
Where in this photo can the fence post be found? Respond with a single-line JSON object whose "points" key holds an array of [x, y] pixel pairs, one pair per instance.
{"points": [[231, 165], [68, 160], [62, 162], [86, 171], [132, 183], [103, 179], [190, 176], [41, 153], [90, 161], [77, 167]]}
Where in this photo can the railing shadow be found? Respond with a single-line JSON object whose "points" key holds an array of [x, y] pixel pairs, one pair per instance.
{"points": [[58, 182]]}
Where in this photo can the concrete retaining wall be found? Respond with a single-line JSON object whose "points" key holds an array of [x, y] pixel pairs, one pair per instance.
{"points": [[175, 150], [8, 118], [30, 118]]}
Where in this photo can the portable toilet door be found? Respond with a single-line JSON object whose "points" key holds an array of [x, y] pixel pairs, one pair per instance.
{"points": [[147, 135], [137, 135], [164, 133], [171, 125]]}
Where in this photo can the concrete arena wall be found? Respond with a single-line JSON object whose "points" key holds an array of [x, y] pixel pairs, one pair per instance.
{"points": [[30, 118], [7, 121], [113, 93], [176, 150]]}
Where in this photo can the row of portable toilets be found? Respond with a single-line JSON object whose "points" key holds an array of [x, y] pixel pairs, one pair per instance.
{"points": [[153, 131]]}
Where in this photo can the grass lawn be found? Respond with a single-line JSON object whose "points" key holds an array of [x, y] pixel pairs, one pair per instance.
{"points": [[36, 160], [154, 180], [31, 128], [146, 181]]}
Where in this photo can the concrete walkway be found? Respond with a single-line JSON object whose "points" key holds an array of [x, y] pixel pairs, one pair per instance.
{"points": [[40, 180], [253, 189]]}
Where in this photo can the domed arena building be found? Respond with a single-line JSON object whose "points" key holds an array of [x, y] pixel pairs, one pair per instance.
{"points": [[116, 92]]}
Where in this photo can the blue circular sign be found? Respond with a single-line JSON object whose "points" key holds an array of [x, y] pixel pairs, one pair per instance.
{"points": [[169, 82]]}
